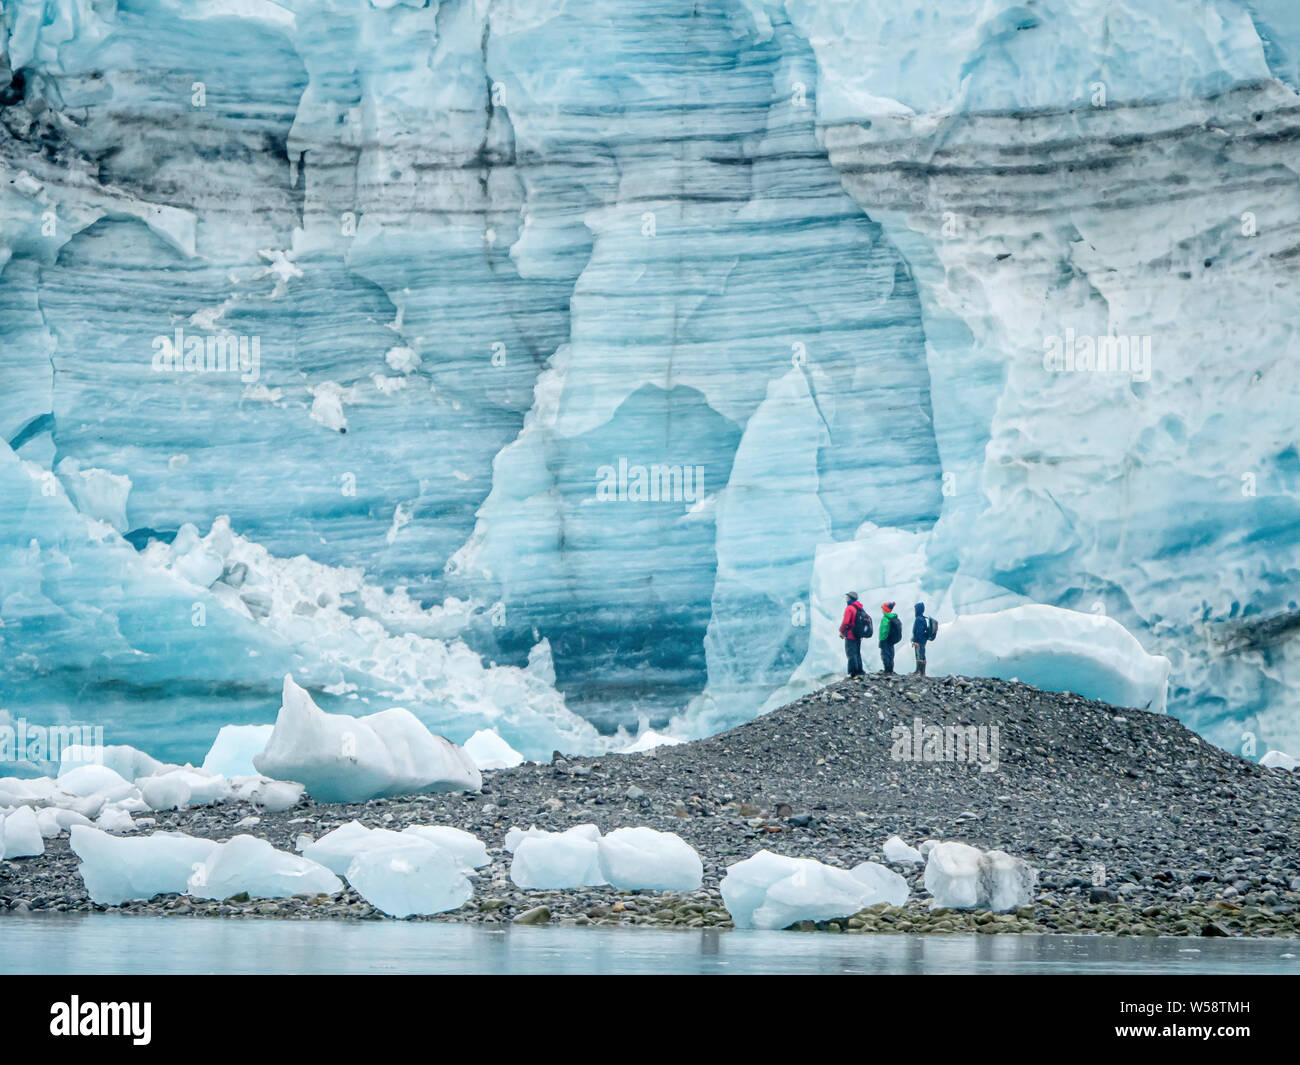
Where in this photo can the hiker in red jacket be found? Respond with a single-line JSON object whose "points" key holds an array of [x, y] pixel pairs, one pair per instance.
{"points": [[856, 625]]}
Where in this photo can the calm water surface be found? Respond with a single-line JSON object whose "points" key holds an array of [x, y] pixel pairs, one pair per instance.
{"points": [[109, 943]]}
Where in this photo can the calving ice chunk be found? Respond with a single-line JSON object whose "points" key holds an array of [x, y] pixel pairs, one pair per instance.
{"points": [[350, 759], [963, 877], [773, 891]]}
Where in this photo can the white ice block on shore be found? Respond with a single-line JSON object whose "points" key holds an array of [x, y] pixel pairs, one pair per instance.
{"points": [[642, 859], [773, 891], [20, 834], [898, 852], [963, 877], [233, 751], [248, 864], [415, 877], [887, 885], [1280, 760], [556, 860], [116, 869], [490, 751], [467, 847], [351, 759], [336, 850]]}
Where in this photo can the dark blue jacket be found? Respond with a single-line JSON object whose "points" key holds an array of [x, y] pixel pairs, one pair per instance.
{"points": [[920, 627]]}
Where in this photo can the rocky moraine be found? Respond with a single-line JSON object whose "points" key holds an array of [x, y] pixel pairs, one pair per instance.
{"points": [[1135, 824]]}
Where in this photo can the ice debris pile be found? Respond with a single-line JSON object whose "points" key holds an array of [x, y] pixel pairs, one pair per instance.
{"points": [[351, 759], [85, 793], [427, 869]]}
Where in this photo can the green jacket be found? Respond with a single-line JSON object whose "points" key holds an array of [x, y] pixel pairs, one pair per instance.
{"points": [[886, 620]]}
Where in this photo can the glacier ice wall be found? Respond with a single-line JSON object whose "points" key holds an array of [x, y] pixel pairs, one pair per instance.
{"points": [[498, 258]]}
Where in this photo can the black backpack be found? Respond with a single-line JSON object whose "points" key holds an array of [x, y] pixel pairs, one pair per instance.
{"points": [[895, 631], [861, 623], [931, 628]]}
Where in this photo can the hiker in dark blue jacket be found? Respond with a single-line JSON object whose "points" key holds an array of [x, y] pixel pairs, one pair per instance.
{"points": [[920, 637]]}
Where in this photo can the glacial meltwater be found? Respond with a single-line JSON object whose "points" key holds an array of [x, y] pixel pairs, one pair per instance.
{"points": [[111, 944]]}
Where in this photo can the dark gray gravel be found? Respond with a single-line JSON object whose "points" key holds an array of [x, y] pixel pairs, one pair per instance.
{"points": [[1184, 838]]}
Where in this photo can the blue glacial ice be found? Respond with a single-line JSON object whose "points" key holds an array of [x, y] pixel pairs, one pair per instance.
{"points": [[474, 278]]}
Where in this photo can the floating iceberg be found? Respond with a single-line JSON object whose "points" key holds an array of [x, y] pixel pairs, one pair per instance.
{"points": [[20, 834], [115, 869], [963, 877], [773, 891], [351, 759], [642, 859], [490, 751], [248, 864], [898, 852], [555, 860], [416, 877], [233, 751], [1280, 760]]}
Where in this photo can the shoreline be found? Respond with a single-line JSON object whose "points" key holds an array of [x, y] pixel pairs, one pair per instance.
{"points": [[1187, 839]]}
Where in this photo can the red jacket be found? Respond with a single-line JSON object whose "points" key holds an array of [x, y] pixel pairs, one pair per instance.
{"points": [[850, 616]]}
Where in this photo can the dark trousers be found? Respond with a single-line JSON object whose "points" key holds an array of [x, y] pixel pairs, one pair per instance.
{"points": [[887, 656], [853, 650]]}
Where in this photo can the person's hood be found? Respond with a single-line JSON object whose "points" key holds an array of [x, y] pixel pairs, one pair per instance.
{"points": [[920, 610]]}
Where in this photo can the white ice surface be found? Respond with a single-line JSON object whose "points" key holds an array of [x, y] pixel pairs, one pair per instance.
{"points": [[348, 759], [641, 859]]}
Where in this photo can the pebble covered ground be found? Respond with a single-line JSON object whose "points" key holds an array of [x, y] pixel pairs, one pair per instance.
{"points": [[1137, 827]]}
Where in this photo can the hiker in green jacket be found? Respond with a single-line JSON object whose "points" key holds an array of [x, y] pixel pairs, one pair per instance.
{"points": [[891, 631]]}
